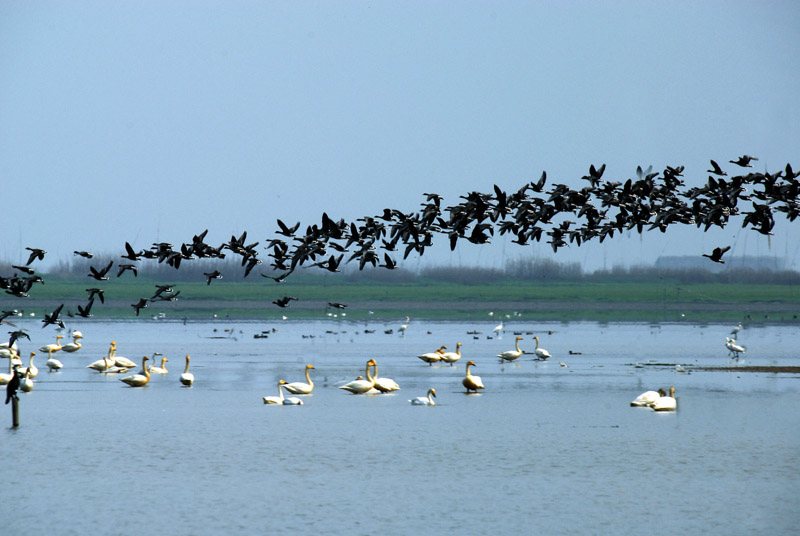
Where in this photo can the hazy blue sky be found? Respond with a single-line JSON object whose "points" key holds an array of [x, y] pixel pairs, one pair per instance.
{"points": [[146, 121]]}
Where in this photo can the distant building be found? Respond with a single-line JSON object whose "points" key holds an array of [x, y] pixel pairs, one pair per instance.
{"points": [[696, 262]]}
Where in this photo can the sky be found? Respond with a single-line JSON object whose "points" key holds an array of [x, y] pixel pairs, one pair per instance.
{"points": [[151, 121]]}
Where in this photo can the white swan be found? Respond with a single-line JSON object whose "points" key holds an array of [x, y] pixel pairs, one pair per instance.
{"points": [[384, 385], [138, 380], [104, 364], [162, 369], [53, 363], [541, 353], [472, 383], [74, 345], [666, 403], [511, 355], [187, 378], [26, 383], [647, 398], [119, 360], [452, 357], [433, 357], [402, 329], [425, 400], [359, 387], [301, 388], [55, 347], [733, 348], [290, 400], [498, 328], [278, 400], [31, 368]]}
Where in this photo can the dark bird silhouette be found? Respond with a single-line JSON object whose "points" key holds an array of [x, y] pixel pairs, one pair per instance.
{"points": [[84, 254], [716, 170], [286, 230], [12, 386], [212, 275], [25, 269], [16, 335], [53, 318], [6, 314], [280, 278], [126, 267], [100, 275], [130, 254], [85, 312], [284, 302], [717, 254], [141, 304], [744, 160], [96, 292], [336, 305], [35, 254]]}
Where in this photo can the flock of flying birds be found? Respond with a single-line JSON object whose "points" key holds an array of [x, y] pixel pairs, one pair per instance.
{"points": [[560, 215]]}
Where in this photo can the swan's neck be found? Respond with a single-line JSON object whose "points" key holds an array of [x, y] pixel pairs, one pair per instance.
{"points": [[537, 342], [280, 391], [187, 366], [430, 396], [308, 378], [145, 372], [368, 373], [468, 374]]}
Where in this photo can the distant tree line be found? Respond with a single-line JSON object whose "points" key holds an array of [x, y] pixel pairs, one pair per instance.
{"points": [[520, 269]]}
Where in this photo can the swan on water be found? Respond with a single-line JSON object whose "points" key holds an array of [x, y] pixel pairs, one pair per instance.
{"points": [[433, 357], [278, 400], [289, 400], [452, 357], [384, 385], [73, 346], [187, 378], [141, 379], [647, 398], [425, 400], [26, 383], [31, 368], [511, 355], [359, 387], [53, 363], [55, 347], [162, 369], [301, 388], [541, 353], [472, 383], [666, 403]]}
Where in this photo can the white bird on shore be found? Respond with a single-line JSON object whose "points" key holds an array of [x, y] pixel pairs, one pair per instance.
{"points": [[425, 400]]}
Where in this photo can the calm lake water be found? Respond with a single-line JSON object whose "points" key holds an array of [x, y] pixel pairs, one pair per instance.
{"points": [[545, 449]]}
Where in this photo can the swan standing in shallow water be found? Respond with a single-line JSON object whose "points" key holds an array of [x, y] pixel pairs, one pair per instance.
{"points": [[102, 365], [278, 400], [300, 388], [511, 355], [55, 347], [53, 363], [452, 357], [647, 398], [119, 360], [425, 400], [541, 353], [384, 385], [26, 383], [162, 369], [359, 387], [187, 378], [31, 368], [73, 346], [141, 379], [433, 357], [666, 403], [5, 378], [733, 348], [472, 383]]}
